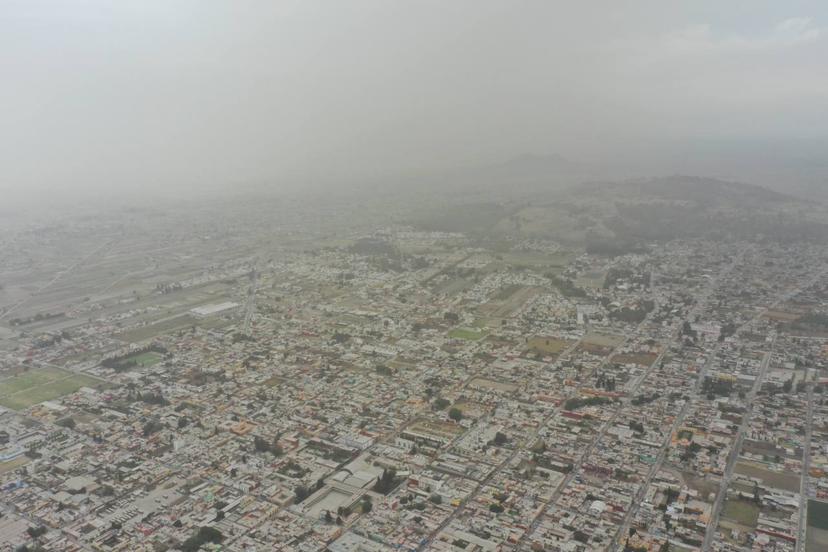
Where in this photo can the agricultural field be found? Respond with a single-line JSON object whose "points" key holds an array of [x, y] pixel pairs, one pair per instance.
{"points": [[39, 385], [817, 533]]}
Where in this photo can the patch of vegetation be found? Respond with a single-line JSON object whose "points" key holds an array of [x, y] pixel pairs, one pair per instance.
{"points": [[818, 514], [579, 402], [146, 356], [203, 536], [467, 334]]}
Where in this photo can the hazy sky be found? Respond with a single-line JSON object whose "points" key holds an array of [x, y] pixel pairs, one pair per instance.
{"points": [[158, 93]]}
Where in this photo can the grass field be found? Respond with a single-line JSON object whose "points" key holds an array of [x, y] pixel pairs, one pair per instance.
{"points": [[743, 512], [39, 385], [148, 358], [466, 333]]}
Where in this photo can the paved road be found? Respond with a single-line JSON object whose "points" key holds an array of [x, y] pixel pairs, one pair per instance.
{"points": [[806, 465]]}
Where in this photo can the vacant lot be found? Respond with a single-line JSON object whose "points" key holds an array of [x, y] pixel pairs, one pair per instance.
{"points": [[641, 359], [39, 385]]}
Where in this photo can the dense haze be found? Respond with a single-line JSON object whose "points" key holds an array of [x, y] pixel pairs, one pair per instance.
{"points": [[158, 96]]}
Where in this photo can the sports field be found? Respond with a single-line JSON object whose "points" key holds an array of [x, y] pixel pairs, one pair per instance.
{"points": [[40, 384]]}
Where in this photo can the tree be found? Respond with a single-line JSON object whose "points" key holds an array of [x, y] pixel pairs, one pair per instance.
{"points": [[68, 422], [386, 481], [300, 493], [151, 427], [202, 536], [495, 507], [455, 414], [36, 532]]}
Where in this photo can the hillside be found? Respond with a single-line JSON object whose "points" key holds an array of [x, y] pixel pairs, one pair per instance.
{"points": [[612, 215]]}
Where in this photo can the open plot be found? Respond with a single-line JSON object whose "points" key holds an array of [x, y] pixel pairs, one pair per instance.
{"points": [[600, 344], [30, 378], [436, 428], [466, 333], [547, 346], [743, 512], [471, 409], [147, 358], [817, 534], [538, 259], [505, 292], [13, 464], [779, 480], [149, 331], [42, 384], [484, 383], [641, 359], [818, 514], [503, 308]]}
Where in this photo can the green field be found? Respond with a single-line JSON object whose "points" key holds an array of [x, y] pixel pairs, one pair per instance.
{"points": [[39, 385], [743, 512], [817, 534], [465, 333], [818, 514], [146, 359]]}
